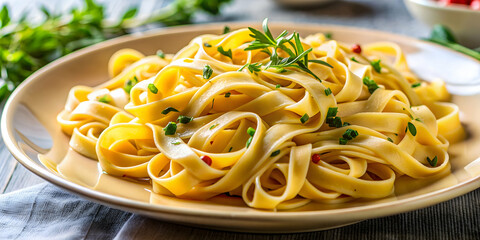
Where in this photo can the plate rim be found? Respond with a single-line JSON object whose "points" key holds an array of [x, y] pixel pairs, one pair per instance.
{"points": [[373, 210]]}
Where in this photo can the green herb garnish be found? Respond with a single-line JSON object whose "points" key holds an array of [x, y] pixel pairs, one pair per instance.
{"points": [[213, 126], [278, 86], [443, 36], [129, 84], [251, 131], [389, 139], [225, 53], [275, 153], [226, 29], [229, 150], [354, 59], [432, 162], [184, 119], [160, 54], [207, 45], [348, 135], [328, 35], [207, 72], [332, 112], [371, 85], [304, 118], [412, 128], [168, 110], [105, 99], [227, 94], [376, 65], [249, 141], [170, 129], [152, 88], [414, 85], [328, 91], [176, 143], [298, 58], [346, 124]]}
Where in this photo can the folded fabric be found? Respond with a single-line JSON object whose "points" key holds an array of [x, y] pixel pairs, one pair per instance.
{"points": [[45, 211]]}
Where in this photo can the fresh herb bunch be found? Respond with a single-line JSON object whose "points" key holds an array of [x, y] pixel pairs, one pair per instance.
{"points": [[298, 57], [26, 47], [443, 36]]}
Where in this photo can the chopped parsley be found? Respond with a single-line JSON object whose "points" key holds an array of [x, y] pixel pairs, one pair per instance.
{"points": [[275, 153], [328, 35], [278, 86], [411, 128], [213, 126], [332, 120], [169, 109], [328, 91], [225, 53], [227, 94], [184, 119], [304, 118], [371, 85], [389, 139], [418, 119], [332, 112], [226, 29], [207, 72], [176, 143], [354, 59], [105, 99], [160, 54], [432, 162], [376, 65], [251, 131], [152, 88], [249, 141], [349, 134], [170, 129], [346, 124], [414, 85], [252, 67], [229, 150], [207, 44], [130, 83]]}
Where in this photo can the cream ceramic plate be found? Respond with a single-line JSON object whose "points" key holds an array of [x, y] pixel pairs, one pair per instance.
{"points": [[30, 130]]}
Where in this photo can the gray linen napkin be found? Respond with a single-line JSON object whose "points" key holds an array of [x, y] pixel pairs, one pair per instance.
{"points": [[45, 211]]}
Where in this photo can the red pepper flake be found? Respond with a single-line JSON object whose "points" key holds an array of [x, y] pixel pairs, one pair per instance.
{"points": [[356, 48], [124, 175], [207, 160], [211, 142], [316, 158]]}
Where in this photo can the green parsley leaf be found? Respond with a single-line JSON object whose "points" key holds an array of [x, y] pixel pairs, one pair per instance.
{"points": [[432, 162], [346, 124], [168, 110], [226, 29], [170, 129], [334, 122], [328, 91], [278, 86], [207, 44], [176, 143], [328, 35], [225, 53], [350, 134], [207, 72], [227, 94], [418, 119], [213, 126], [184, 119], [389, 139], [249, 141], [152, 88], [332, 112], [354, 59], [304, 118], [371, 85], [229, 150], [251, 131], [376, 65], [129, 84], [342, 141], [414, 85], [105, 99], [412, 128], [275, 153], [160, 54]]}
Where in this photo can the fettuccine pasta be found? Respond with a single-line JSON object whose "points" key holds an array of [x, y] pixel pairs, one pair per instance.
{"points": [[227, 115]]}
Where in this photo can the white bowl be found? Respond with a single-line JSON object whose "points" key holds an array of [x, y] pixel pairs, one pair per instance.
{"points": [[463, 21]]}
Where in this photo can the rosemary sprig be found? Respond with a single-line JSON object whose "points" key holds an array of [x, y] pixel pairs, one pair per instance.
{"points": [[291, 44]]}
